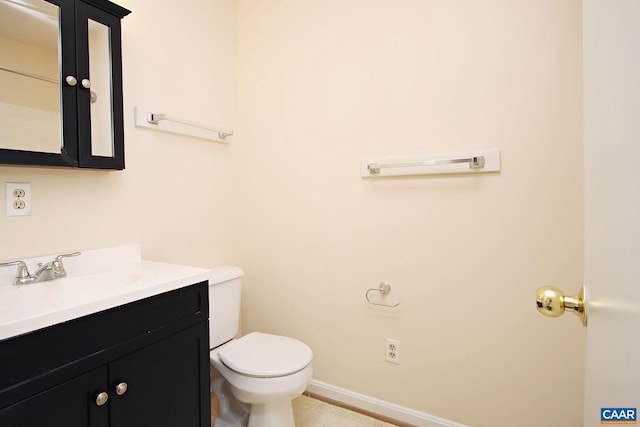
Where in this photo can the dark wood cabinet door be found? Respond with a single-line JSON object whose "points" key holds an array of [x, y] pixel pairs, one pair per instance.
{"points": [[167, 383], [70, 404]]}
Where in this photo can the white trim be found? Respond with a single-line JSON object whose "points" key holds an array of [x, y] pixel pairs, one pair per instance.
{"points": [[387, 409]]}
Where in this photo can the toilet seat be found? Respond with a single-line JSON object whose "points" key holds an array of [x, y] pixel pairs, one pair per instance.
{"points": [[265, 355]]}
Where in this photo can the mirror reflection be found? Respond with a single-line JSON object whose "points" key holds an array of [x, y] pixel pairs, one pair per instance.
{"points": [[100, 72], [29, 76]]}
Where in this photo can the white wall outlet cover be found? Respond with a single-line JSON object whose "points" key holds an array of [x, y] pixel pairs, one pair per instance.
{"points": [[18, 196], [392, 350]]}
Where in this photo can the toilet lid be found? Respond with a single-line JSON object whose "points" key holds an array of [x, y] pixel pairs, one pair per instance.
{"points": [[265, 355]]}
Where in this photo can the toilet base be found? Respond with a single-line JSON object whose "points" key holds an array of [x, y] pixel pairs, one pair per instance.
{"points": [[277, 413], [231, 412], [234, 413]]}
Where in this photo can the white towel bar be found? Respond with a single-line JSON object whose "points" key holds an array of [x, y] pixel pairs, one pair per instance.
{"points": [[478, 162], [163, 122]]}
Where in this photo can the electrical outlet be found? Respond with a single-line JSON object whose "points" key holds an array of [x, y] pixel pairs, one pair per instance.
{"points": [[18, 198], [392, 351]]}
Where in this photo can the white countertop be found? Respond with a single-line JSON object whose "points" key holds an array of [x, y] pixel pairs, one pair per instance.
{"points": [[96, 280]]}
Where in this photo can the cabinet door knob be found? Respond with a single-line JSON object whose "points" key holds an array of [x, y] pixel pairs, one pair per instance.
{"points": [[71, 81], [102, 398], [121, 388], [86, 83]]}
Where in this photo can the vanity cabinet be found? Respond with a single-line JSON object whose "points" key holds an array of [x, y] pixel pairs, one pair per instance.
{"points": [[88, 91], [142, 364]]}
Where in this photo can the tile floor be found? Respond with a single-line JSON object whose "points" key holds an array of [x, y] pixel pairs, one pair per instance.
{"points": [[310, 412]]}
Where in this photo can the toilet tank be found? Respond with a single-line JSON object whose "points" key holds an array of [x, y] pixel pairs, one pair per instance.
{"points": [[225, 285]]}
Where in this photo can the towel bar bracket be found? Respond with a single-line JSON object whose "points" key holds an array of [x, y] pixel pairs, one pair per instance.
{"points": [[155, 118]]}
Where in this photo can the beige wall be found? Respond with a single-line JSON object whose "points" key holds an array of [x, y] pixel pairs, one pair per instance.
{"points": [[323, 85], [320, 86]]}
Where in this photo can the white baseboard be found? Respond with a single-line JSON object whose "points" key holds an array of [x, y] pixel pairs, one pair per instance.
{"points": [[371, 404]]}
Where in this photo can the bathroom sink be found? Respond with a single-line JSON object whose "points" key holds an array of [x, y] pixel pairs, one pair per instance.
{"points": [[64, 292], [98, 281], [87, 290]]}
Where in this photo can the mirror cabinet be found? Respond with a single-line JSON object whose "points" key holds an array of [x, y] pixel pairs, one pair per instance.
{"points": [[61, 83]]}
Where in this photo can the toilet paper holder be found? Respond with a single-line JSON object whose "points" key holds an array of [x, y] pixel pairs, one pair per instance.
{"points": [[383, 288]]}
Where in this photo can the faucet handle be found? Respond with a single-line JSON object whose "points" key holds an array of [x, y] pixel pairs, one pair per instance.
{"points": [[59, 257], [58, 268], [22, 274]]}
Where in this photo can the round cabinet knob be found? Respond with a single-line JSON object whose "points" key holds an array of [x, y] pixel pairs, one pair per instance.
{"points": [[102, 398], [121, 388], [86, 83], [71, 81], [552, 302]]}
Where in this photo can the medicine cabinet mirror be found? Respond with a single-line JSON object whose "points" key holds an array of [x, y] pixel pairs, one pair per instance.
{"points": [[61, 83]]}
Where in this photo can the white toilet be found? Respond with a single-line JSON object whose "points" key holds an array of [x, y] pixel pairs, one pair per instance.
{"points": [[254, 377]]}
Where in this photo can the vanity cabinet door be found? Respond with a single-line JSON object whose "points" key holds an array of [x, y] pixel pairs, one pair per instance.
{"points": [[70, 404], [167, 383]]}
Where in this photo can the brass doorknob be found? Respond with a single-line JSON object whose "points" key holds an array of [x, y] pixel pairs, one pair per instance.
{"points": [[552, 302]]}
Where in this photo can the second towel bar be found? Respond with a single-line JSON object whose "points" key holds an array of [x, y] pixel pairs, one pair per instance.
{"points": [[476, 162]]}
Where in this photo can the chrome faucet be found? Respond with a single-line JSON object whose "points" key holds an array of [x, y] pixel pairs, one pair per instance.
{"points": [[49, 271]]}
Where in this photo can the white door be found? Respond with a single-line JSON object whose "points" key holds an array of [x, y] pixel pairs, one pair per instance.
{"points": [[612, 205]]}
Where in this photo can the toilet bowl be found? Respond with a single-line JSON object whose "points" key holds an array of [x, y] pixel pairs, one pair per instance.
{"points": [[265, 372], [254, 377]]}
